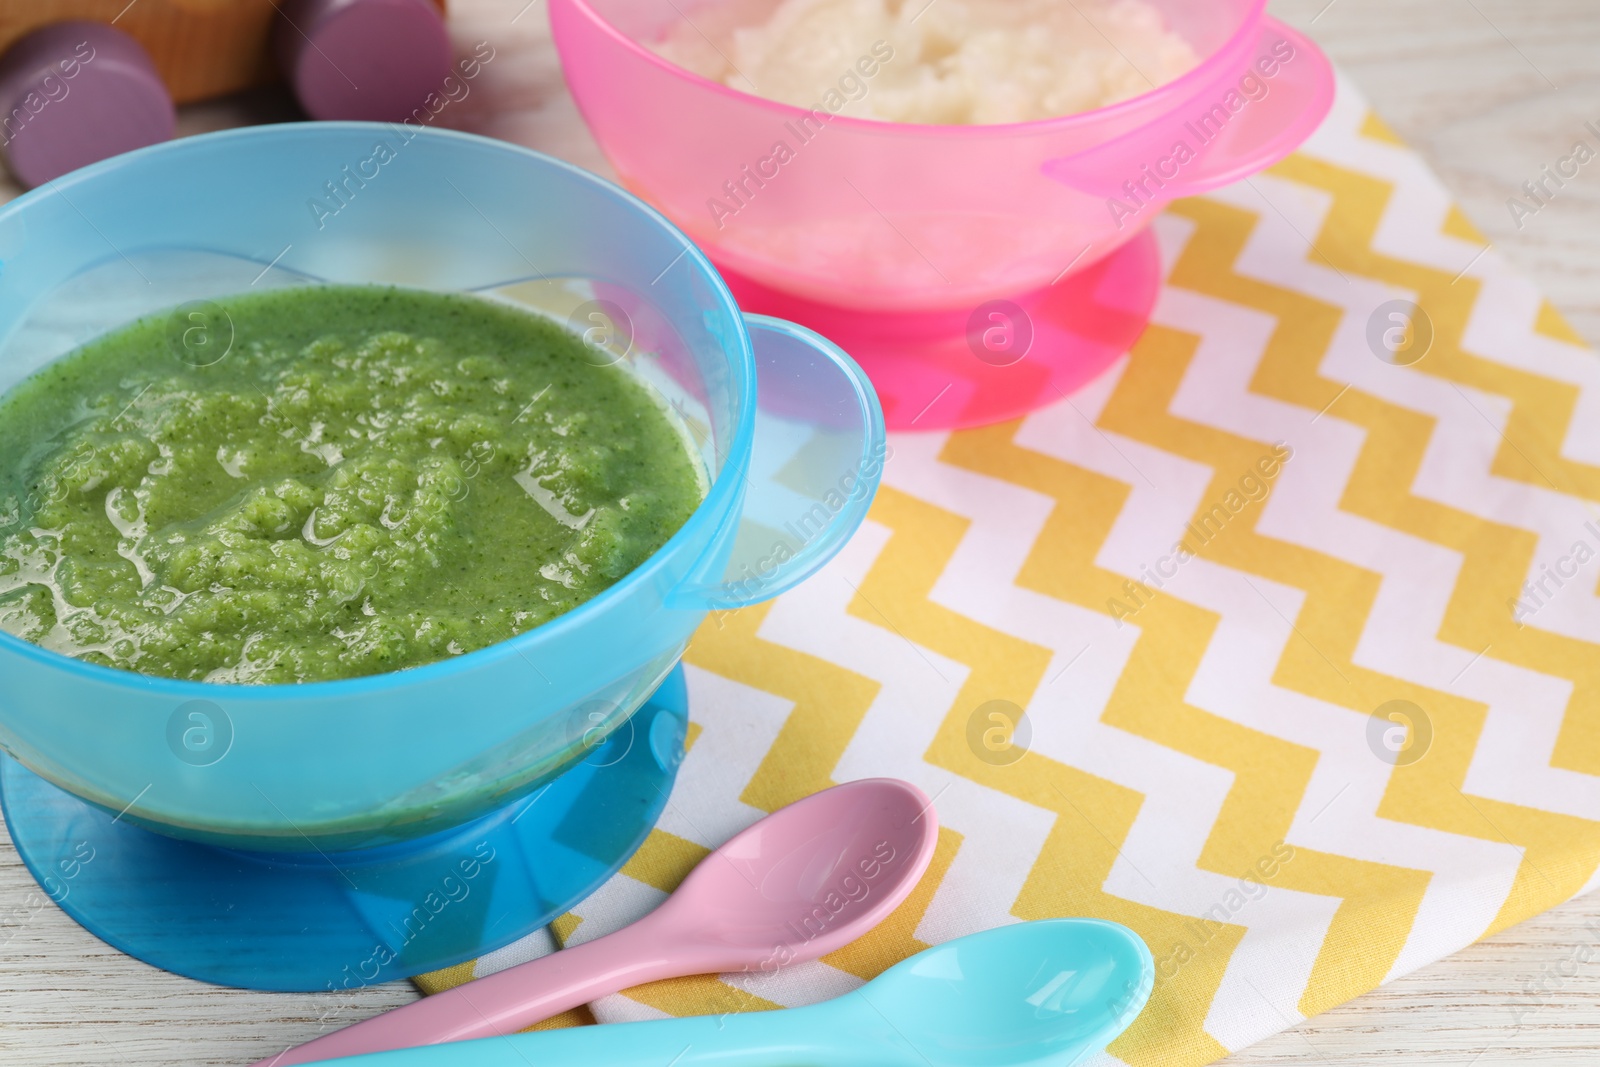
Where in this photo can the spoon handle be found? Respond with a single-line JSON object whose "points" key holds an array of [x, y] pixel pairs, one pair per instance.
{"points": [[823, 1035], [507, 1001]]}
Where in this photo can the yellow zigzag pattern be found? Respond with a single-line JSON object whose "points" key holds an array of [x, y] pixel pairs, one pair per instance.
{"points": [[1377, 903], [829, 703], [1561, 852], [1270, 774], [1092, 814]]}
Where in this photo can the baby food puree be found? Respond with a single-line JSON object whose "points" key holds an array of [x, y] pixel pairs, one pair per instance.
{"points": [[370, 479], [950, 62]]}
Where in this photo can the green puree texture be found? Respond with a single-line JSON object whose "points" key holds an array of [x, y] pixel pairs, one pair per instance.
{"points": [[371, 479]]}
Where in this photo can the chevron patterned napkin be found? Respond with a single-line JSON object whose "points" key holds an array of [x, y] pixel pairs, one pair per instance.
{"points": [[1299, 600]]}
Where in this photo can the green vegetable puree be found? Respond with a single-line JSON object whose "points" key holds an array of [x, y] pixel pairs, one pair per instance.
{"points": [[370, 479]]}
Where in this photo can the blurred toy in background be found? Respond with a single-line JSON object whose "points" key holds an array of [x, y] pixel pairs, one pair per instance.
{"points": [[76, 92], [82, 80], [362, 59]]}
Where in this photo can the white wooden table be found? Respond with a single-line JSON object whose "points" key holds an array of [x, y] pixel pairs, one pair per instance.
{"points": [[1489, 91]]}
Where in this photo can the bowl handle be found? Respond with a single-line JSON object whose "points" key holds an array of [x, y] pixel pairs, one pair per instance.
{"points": [[1231, 130], [818, 455]]}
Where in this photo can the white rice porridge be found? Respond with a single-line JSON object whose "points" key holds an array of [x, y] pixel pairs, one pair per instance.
{"points": [[957, 62]]}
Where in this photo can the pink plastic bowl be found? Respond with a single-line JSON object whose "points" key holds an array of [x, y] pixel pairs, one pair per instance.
{"points": [[921, 227]]}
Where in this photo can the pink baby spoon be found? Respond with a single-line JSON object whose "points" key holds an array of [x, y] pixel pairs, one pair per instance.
{"points": [[800, 883]]}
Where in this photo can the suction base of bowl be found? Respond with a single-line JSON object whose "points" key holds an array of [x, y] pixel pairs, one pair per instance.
{"points": [[337, 921], [973, 366]]}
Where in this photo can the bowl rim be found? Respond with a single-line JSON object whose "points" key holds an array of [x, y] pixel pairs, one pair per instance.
{"points": [[1255, 15], [725, 485]]}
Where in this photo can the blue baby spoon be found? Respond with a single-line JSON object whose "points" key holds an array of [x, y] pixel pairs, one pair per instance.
{"points": [[1030, 995]]}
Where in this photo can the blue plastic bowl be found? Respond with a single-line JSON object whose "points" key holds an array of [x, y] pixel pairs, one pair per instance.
{"points": [[789, 430]]}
